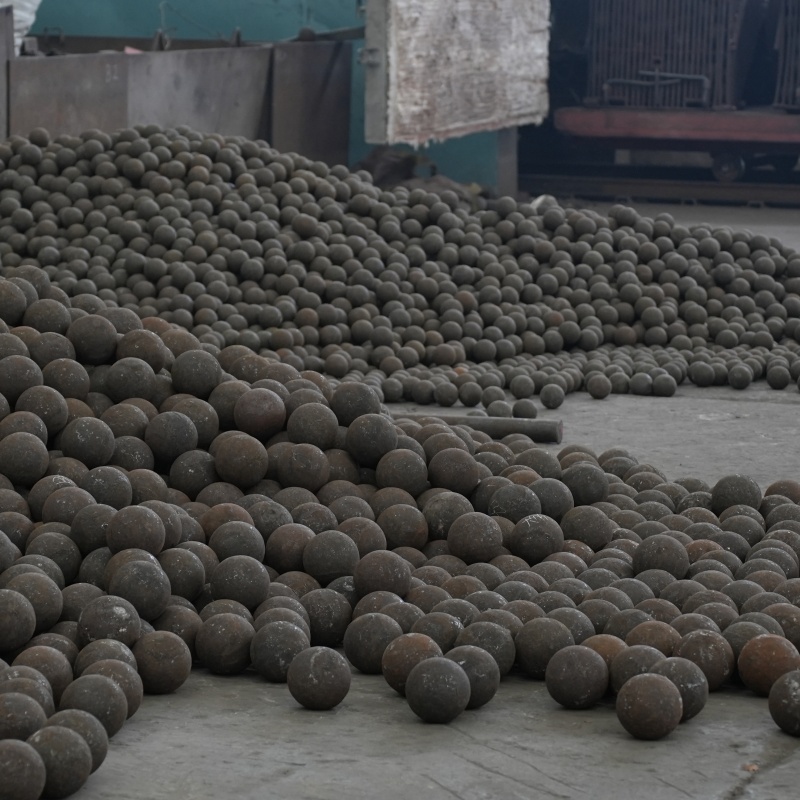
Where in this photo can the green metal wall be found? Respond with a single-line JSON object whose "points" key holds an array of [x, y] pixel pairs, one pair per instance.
{"points": [[472, 158], [195, 19]]}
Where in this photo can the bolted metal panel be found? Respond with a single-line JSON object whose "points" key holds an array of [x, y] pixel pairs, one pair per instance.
{"points": [[438, 69]]}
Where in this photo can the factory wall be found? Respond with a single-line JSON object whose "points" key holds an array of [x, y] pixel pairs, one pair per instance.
{"points": [[471, 158]]}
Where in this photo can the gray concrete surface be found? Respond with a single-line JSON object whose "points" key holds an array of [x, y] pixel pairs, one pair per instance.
{"points": [[705, 433], [242, 738]]}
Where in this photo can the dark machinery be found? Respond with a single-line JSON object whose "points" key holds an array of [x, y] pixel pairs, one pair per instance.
{"points": [[716, 76]]}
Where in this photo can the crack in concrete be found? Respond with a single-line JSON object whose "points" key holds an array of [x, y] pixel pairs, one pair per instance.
{"points": [[779, 753], [442, 786], [525, 785], [676, 788], [738, 791]]}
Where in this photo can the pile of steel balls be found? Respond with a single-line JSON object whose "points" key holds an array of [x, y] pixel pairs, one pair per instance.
{"points": [[197, 338]]}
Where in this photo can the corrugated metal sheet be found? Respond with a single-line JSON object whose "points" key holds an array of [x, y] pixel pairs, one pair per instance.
{"points": [[787, 94], [438, 69]]}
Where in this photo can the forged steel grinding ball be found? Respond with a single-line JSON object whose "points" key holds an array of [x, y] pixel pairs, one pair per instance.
{"points": [[88, 727], [764, 659], [23, 769], [164, 661], [403, 654], [109, 617], [437, 690], [366, 640], [691, 683], [67, 759], [784, 702], [125, 676], [319, 678], [100, 696], [274, 647], [20, 716], [577, 677], [53, 664], [649, 706], [223, 643], [17, 620], [538, 641], [482, 671]]}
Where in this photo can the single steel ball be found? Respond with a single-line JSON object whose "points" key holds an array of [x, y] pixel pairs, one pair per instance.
{"points": [[20, 716], [577, 677], [101, 697], [764, 659], [88, 727], [691, 683], [164, 661], [67, 759], [784, 703], [366, 639], [125, 676], [482, 671], [319, 678], [275, 645], [223, 644], [403, 654], [23, 769], [649, 706], [438, 690]]}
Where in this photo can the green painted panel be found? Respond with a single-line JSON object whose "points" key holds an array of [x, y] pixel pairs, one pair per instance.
{"points": [[194, 19]]}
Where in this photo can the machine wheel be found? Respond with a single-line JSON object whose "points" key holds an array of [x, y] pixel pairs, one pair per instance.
{"points": [[728, 167]]}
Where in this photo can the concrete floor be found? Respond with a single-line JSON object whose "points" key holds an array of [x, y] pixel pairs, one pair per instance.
{"points": [[703, 433], [242, 738]]}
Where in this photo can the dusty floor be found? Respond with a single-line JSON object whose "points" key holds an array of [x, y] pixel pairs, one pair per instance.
{"points": [[242, 738]]}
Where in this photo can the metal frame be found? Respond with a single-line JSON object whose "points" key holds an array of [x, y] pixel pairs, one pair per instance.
{"points": [[705, 46], [658, 81]]}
